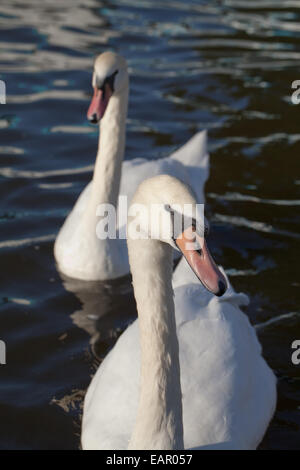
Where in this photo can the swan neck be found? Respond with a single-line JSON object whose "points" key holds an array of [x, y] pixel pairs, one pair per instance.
{"points": [[111, 147], [159, 418]]}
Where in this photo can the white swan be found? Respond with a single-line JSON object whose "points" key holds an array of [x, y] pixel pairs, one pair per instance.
{"points": [[223, 394], [78, 251]]}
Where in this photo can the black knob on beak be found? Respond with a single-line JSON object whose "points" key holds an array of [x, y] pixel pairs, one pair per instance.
{"points": [[93, 118]]}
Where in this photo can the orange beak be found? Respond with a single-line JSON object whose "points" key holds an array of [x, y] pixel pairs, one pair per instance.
{"points": [[196, 252], [99, 104]]}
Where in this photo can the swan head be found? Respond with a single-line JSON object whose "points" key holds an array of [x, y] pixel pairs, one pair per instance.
{"points": [[110, 77], [165, 209]]}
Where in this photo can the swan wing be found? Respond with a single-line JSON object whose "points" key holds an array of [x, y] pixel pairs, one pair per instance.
{"points": [[228, 391]]}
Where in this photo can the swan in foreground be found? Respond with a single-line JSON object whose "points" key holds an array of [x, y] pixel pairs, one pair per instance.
{"points": [[78, 251], [188, 374]]}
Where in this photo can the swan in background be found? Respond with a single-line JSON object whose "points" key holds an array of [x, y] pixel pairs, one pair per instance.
{"points": [[78, 251], [188, 374]]}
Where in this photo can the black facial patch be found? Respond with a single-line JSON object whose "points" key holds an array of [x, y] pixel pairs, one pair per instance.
{"points": [[185, 222], [109, 80]]}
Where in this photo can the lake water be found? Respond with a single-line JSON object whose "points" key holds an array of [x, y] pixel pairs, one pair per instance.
{"points": [[226, 66]]}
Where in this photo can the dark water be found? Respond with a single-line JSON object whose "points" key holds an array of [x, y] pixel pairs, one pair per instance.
{"points": [[222, 65]]}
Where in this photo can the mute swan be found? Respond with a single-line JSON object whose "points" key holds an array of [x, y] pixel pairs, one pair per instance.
{"points": [[78, 252], [221, 395]]}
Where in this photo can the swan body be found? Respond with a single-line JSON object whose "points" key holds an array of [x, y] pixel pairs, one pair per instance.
{"points": [[78, 251], [223, 394]]}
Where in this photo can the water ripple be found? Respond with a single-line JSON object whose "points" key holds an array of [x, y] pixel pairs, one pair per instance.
{"points": [[254, 225], [27, 241], [12, 173], [245, 197]]}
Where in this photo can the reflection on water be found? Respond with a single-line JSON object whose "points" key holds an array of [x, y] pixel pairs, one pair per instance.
{"points": [[223, 65], [106, 310]]}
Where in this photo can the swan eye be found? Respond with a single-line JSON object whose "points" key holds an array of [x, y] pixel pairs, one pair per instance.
{"points": [[109, 80], [193, 221], [206, 227]]}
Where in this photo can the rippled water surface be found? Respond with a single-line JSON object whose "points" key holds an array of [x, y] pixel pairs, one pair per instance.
{"points": [[222, 65]]}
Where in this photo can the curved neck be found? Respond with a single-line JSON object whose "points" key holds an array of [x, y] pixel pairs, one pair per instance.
{"points": [[159, 418], [108, 166]]}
